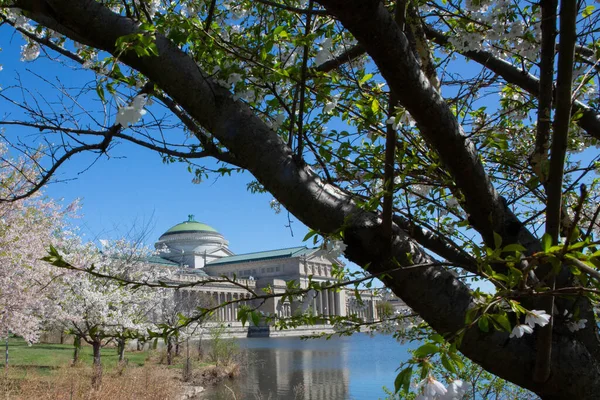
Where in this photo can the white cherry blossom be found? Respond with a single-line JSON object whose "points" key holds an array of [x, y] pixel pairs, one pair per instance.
{"points": [[131, 114], [577, 325], [519, 330], [539, 317], [456, 390], [329, 106], [431, 387], [30, 51]]}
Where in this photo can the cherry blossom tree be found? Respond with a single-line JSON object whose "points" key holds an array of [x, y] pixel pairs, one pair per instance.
{"points": [[99, 310], [28, 286], [170, 313], [441, 141]]}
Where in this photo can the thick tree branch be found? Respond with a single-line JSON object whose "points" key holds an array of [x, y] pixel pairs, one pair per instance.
{"points": [[374, 27]]}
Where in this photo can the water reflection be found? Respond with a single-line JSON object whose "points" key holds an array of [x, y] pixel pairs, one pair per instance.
{"points": [[353, 368]]}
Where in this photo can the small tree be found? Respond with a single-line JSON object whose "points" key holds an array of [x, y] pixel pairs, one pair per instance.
{"points": [[98, 310]]}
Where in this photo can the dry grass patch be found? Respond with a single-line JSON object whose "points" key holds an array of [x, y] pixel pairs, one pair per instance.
{"points": [[148, 383]]}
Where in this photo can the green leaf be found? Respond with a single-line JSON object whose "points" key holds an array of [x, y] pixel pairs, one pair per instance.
{"points": [[483, 323], [546, 242], [502, 320], [449, 365], [374, 105], [457, 360], [497, 240], [470, 316], [402, 381], [100, 92], [255, 318], [588, 11], [310, 234], [365, 78], [515, 247], [242, 316], [437, 338], [426, 350]]}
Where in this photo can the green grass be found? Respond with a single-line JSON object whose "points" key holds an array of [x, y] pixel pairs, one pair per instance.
{"points": [[49, 356]]}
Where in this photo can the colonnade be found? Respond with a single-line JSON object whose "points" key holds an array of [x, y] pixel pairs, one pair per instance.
{"points": [[229, 312], [284, 310], [366, 311], [328, 302]]}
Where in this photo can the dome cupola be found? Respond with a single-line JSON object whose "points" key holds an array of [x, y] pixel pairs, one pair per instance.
{"points": [[192, 243]]}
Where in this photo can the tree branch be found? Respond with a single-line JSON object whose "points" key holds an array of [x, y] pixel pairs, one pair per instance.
{"points": [[539, 157], [589, 121], [566, 57]]}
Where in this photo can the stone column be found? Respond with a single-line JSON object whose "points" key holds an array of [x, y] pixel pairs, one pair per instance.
{"points": [[374, 309], [342, 312], [236, 306], [223, 310], [320, 303], [332, 305], [228, 298]]}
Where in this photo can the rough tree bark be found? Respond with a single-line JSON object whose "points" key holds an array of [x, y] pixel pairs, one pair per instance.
{"points": [[433, 292], [121, 349], [76, 348], [169, 350], [97, 363]]}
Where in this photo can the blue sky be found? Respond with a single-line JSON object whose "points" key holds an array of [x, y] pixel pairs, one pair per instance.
{"points": [[135, 188]]}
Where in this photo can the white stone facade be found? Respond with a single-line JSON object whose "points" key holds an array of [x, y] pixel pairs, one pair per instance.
{"points": [[201, 253]]}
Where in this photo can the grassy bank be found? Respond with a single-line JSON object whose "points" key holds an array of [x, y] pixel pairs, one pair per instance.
{"points": [[49, 356], [45, 371]]}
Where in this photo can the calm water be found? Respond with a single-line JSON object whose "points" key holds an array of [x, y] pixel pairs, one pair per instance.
{"points": [[355, 368]]}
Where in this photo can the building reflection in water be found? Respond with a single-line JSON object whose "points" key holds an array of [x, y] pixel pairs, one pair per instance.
{"points": [[317, 372]]}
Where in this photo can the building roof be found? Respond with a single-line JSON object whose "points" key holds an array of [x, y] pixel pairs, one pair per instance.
{"points": [[290, 252], [190, 226], [161, 261]]}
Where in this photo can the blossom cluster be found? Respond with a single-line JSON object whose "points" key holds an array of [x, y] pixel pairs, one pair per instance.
{"points": [[431, 389], [533, 318], [132, 113]]}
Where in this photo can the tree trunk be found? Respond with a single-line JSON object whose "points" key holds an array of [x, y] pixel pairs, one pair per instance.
{"points": [[97, 365], [6, 354], [121, 349], [169, 350], [139, 345], [76, 348], [62, 337], [200, 350], [176, 347], [187, 368]]}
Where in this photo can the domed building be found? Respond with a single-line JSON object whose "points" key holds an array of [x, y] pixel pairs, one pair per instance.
{"points": [[200, 253], [192, 244]]}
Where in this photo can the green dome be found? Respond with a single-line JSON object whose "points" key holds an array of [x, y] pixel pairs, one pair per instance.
{"points": [[190, 226]]}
